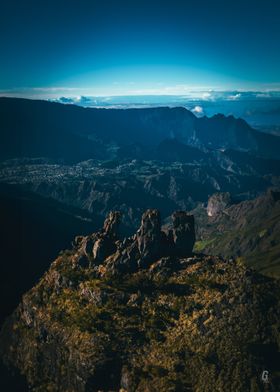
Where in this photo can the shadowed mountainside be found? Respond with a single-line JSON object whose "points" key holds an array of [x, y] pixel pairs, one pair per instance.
{"points": [[34, 230], [39, 128]]}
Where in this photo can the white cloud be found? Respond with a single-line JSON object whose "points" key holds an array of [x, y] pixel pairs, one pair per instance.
{"points": [[206, 96], [193, 93], [198, 109], [234, 97]]}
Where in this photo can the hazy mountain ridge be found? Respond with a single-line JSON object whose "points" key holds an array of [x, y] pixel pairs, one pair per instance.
{"points": [[40, 128]]}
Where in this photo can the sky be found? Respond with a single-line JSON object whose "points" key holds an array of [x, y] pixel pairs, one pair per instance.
{"points": [[72, 48]]}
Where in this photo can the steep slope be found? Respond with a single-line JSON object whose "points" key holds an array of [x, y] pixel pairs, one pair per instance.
{"points": [[145, 314], [249, 230]]}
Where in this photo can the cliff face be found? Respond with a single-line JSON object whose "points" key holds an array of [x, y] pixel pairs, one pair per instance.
{"points": [[217, 203], [249, 230], [145, 314]]}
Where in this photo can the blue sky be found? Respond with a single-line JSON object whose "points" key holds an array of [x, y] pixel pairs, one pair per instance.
{"points": [[71, 48]]}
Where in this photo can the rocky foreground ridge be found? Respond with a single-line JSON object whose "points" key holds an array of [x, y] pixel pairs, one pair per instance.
{"points": [[146, 314]]}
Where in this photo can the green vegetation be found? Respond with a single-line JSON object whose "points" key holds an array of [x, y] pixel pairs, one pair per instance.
{"points": [[185, 328], [201, 245]]}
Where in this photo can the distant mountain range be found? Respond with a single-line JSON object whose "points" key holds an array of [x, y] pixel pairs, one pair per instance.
{"points": [[40, 128], [260, 109]]}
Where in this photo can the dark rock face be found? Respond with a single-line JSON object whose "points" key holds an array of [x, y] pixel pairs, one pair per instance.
{"points": [[111, 224], [105, 243], [274, 195], [98, 246], [183, 233], [149, 244], [149, 236]]}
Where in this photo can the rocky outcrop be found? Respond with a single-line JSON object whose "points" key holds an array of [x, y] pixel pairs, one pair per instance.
{"points": [[111, 225], [217, 203], [149, 236], [94, 249], [106, 252]]}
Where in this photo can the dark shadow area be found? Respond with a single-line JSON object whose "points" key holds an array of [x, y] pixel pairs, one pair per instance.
{"points": [[266, 354], [107, 377], [33, 231], [12, 380]]}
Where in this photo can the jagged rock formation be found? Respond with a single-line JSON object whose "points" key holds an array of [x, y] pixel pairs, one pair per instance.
{"points": [[97, 247], [145, 314], [148, 245], [149, 236]]}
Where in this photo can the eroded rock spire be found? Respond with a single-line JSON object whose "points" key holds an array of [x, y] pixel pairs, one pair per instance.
{"points": [[107, 253]]}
